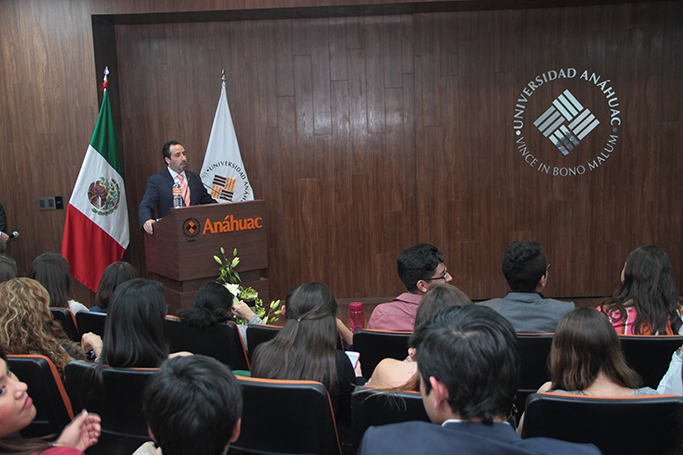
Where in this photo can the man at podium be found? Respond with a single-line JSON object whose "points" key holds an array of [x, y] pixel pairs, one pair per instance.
{"points": [[173, 187]]}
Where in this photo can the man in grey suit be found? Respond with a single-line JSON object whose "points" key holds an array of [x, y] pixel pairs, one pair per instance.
{"points": [[526, 271]]}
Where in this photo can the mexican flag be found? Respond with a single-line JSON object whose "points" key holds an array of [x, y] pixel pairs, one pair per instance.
{"points": [[96, 229]]}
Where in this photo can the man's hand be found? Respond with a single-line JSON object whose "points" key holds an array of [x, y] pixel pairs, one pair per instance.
{"points": [[3, 237], [148, 226]]}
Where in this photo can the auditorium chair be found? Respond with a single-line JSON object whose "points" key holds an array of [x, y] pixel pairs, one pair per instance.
{"points": [[88, 321], [617, 426], [53, 407], [534, 349], [222, 342], [375, 345], [373, 406], [118, 401], [286, 418], [68, 322], [257, 334], [650, 355]]}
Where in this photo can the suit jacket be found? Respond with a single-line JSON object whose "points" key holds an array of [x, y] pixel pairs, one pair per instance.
{"points": [[159, 195], [467, 438], [530, 312]]}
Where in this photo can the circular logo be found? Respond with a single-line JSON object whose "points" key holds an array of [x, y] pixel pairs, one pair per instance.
{"points": [[191, 227], [566, 122]]}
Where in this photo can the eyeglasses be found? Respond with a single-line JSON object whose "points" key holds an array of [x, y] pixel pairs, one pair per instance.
{"points": [[440, 277], [547, 266]]}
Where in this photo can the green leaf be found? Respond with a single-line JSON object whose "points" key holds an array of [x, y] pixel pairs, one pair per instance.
{"points": [[237, 275]]}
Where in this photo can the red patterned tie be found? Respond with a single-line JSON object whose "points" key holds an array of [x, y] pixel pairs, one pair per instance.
{"points": [[183, 190]]}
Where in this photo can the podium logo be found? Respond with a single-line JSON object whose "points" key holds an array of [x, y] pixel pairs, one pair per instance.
{"points": [[552, 123], [230, 224], [191, 227]]}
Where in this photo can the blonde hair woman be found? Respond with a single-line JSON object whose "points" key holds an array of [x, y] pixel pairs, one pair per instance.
{"points": [[27, 327]]}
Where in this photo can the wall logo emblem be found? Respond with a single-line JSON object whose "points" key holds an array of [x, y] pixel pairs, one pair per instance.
{"points": [[104, 195], [191, 227], [574, 113]]}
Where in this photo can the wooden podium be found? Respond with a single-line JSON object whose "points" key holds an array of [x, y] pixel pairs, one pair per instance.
{"points": [[181, 250]]}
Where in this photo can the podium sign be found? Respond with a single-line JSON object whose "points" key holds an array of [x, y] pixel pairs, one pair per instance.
{"points": [[181, 250]]}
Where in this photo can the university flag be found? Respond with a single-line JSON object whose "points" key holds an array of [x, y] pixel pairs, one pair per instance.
{"points": [[223, 172], [96, 229]]}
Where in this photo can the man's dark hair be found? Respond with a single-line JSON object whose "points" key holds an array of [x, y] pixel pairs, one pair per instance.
{"points": [[524, 265], [192, 405], [473, 351], [166, 149], [8, 268], [417, 263]]}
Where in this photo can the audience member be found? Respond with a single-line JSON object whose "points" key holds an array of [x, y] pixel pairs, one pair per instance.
{"points": [[672, 382], [469, 368], [647, 302], [526, 271], [402, 374], [112, 277], [17, 411], [27, 326], [214, 304], [8, 268], [419, 267], [305, 348], [134, 332], [52, 271], [193, 407], [586, 359]]}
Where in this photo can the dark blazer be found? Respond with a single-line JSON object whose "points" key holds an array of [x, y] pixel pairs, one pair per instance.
{"points": [[159, 195], [470, 438]]}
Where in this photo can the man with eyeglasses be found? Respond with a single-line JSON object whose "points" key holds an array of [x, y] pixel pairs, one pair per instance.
{"points": [[418, 268], [526, 271]]}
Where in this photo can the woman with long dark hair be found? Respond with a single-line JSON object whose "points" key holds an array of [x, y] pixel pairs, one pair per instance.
{"points": [[134, 333], [52, 271], [305, 348], [647, 302], [113, 276], [17, 411], [586, 359]]}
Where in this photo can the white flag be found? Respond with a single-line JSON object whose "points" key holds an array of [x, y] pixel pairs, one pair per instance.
{"points": [[223, 172]]}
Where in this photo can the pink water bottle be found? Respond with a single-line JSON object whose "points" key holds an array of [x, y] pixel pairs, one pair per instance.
{"points": [[357, 315]]}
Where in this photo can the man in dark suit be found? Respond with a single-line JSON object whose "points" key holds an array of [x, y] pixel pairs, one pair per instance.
{"points": [[469, 365], [173, 182]]}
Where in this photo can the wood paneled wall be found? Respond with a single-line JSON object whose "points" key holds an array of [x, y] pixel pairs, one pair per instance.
{"points": [[368, 134]]}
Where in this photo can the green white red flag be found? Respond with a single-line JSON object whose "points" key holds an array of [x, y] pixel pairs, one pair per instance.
{"points": [[96, 229]]}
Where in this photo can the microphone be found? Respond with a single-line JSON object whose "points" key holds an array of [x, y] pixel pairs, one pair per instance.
{"points": [[13, 235]]}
